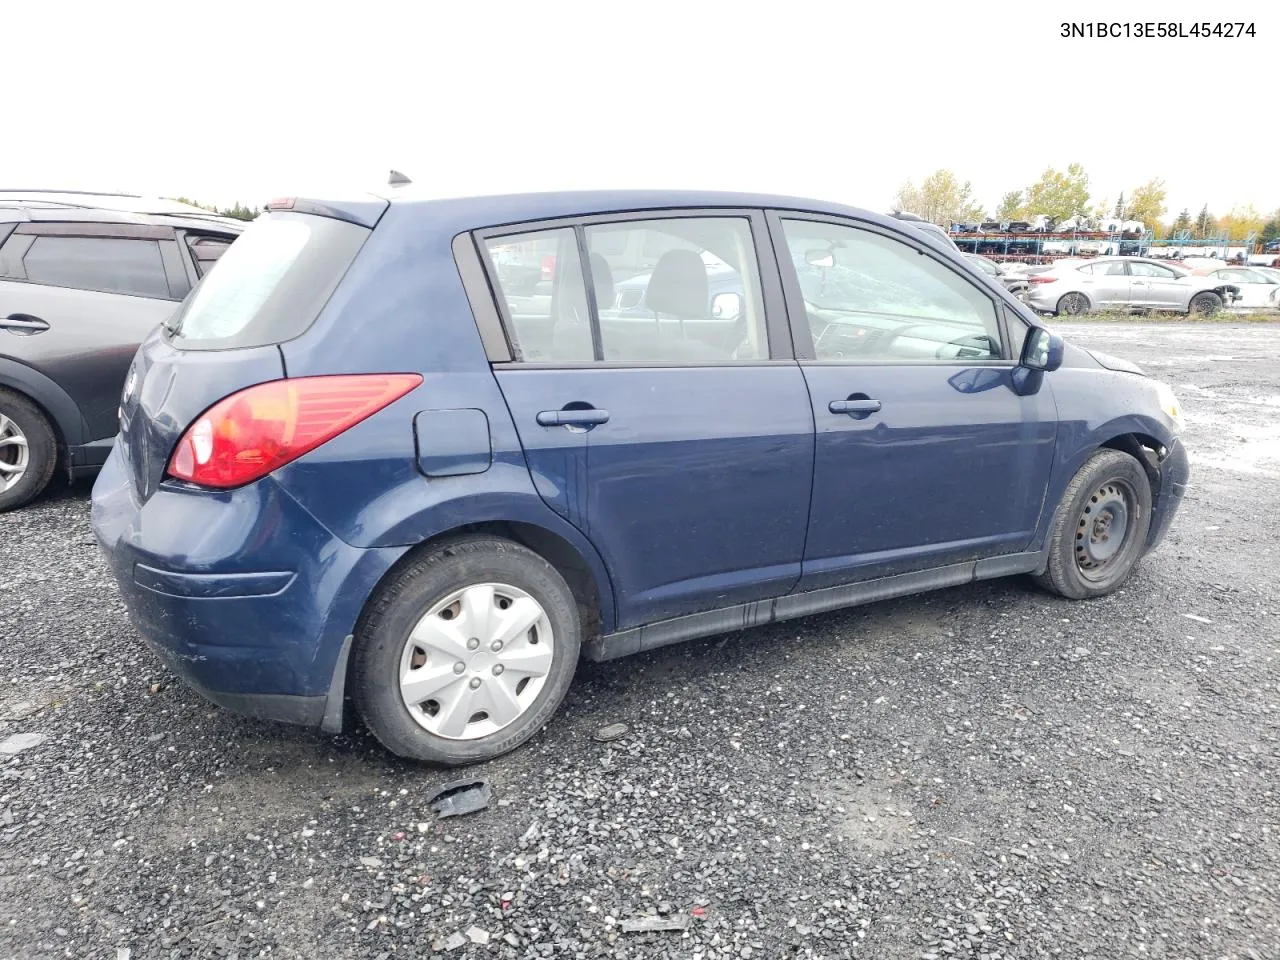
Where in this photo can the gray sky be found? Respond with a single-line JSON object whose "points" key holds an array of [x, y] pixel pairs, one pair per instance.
{"points": [[231, 101]]}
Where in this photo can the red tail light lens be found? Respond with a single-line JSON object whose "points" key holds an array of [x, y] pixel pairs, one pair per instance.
{"points": [[248, 434], [1043, 279]]}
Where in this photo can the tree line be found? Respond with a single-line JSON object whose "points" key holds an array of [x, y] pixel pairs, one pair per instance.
{"points": [[239, 211], [944, 199]]}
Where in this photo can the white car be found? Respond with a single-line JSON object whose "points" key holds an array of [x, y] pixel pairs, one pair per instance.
{"points": [[1125, 283], [1257, 290]]}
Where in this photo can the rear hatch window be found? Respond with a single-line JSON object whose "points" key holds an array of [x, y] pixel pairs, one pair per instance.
{"points": [[270, 284]]}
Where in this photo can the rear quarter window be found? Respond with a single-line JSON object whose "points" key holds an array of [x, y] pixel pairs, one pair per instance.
{"points": [[270, 285]]}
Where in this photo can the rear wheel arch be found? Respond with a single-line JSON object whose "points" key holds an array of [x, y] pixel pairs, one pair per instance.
{"points": [[62, 412], [594, 599]]}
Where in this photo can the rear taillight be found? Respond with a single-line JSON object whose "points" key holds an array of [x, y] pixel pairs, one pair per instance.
{"points": [[1043, 279], [248, 434]]}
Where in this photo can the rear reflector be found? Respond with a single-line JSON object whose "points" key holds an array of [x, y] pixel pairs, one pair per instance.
{"points": [[261, 428]]}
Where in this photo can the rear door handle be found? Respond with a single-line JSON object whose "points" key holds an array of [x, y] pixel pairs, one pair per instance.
{"points": [[854, 406], [23, 323], [572, 418]]}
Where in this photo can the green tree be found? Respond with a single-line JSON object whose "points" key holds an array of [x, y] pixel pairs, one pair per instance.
{"points": [[1146, 203], [1119, 213], [1206, 223], [1059, 195], [940, 198], [1010, 206], [1271, 229], [240, 212], [1183, 222]]}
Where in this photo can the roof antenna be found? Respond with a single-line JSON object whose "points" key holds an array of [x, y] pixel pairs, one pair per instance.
{"points": [[398, 179]]}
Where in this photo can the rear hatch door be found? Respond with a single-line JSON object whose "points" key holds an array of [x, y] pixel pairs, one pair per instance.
{"points": [[266, 288]]}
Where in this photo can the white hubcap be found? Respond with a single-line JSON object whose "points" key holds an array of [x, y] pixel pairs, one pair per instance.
{"points": [[476, 661], [13, 453]]}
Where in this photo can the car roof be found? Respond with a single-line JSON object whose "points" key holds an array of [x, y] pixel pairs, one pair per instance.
{"points": [[547, 204], [71, 206], [498, 210]]}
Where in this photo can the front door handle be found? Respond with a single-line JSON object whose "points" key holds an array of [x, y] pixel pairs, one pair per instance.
{"points": [[23, 323], [854, 406], [573, 418]]}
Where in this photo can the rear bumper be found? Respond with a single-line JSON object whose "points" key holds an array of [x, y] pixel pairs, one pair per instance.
{"points": [[242, 593], [1175, 472]]}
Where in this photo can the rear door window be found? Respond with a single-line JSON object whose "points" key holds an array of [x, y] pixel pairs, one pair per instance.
{"points": [[206, 251], [271, 283], [106, 264]]}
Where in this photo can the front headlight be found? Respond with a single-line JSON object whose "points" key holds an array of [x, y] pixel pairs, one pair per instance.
{"points": [[1169, 403]]}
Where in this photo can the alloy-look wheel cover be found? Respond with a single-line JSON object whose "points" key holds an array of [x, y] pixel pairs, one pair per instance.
{"points": [[14, 454], [476, 662]]}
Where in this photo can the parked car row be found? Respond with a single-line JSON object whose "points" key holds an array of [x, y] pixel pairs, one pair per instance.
{"points": [[423, 490], [83, 279]]}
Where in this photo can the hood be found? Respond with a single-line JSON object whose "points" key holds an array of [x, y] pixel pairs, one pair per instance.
{"points": [[1114, 363]]}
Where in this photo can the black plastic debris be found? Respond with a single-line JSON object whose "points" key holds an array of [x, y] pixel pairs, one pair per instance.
{"points": [[614, 731], [461, 796]]}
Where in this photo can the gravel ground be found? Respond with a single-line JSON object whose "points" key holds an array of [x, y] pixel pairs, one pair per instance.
{"points": [[981, 772]]}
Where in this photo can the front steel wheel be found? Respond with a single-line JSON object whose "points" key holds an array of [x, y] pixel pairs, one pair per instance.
{"points": [[1103, 528], [1099, 531]]}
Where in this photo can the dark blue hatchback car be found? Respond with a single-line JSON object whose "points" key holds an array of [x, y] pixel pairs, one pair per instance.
{"points": [[353, 467]]}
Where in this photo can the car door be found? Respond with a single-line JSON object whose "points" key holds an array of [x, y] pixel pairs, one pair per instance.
{"points": [[76, 299], [1107, 283], [1159, 286], [675, 430], [926, 454]]}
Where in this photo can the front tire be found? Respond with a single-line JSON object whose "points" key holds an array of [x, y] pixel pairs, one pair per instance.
{"points": [[466, 653], [1100, 527], [1205, 303], [28, 451]]}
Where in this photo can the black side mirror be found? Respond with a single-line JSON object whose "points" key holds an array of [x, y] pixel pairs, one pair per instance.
{"points": [[1042, 350]]}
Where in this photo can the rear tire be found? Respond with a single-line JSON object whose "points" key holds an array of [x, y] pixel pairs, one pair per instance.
{"points": [[28, 451], [1099, 530], [1205, 303], [1073, 304], [460, 611]]}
